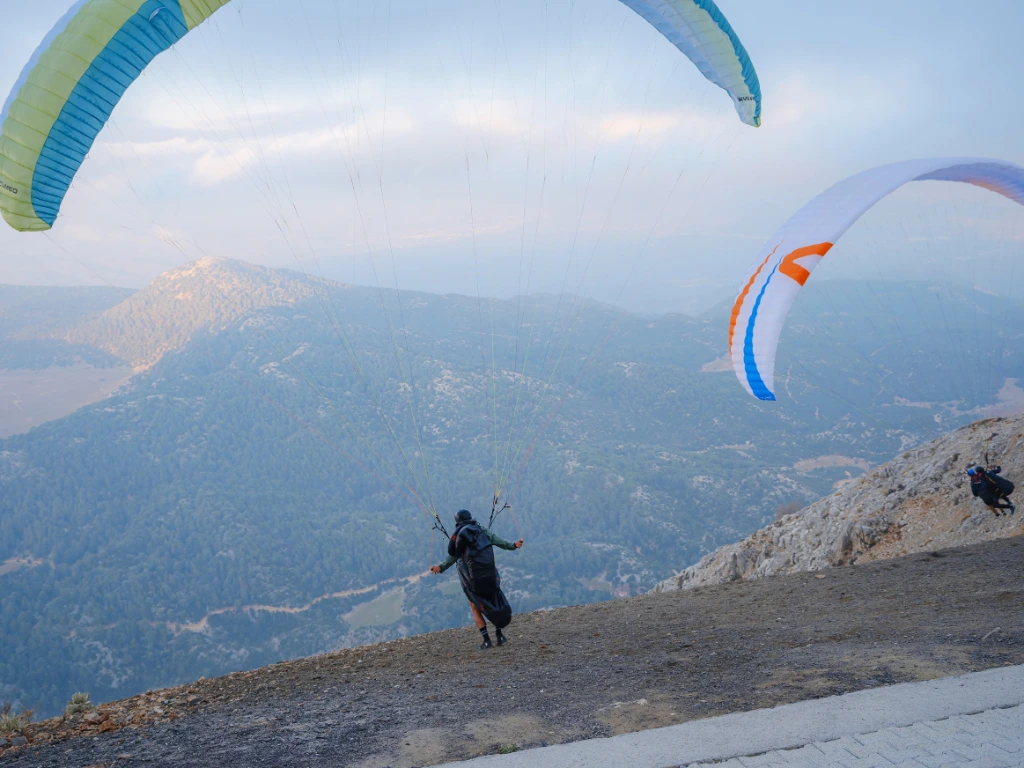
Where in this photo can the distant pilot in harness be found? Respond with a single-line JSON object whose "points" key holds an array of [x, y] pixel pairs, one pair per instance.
{"points": [[992, 489], [472, 547]]}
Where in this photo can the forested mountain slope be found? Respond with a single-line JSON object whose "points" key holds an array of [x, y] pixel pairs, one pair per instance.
{"points": [[250, 495], [204, 295]]}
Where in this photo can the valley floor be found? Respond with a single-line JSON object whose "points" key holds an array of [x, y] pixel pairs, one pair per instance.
{"points": [[581, 672], [31, 398]]}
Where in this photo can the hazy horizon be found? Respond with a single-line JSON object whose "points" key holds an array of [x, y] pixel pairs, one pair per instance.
{"points": [[531, 147]]}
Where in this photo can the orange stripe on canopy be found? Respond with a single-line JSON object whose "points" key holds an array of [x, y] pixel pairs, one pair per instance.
{"points": [[790, 268], [743, 295]]}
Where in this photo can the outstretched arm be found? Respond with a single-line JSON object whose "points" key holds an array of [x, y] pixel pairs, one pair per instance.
{"points": [[497, 541], [448, 563]]}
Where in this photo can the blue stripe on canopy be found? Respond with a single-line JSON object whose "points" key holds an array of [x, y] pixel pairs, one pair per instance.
{"points": [[761, 391], [156, 26]]}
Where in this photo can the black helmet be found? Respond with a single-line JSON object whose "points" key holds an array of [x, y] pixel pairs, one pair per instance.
{"points": [[463, 516]]}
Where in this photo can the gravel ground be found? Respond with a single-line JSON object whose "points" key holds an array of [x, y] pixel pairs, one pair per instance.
{"points": [[575, 673]]}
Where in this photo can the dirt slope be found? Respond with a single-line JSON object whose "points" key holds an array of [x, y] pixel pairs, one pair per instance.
{"points": [[578, 672]]}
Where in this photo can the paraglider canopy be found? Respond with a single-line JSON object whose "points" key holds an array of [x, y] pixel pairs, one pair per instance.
{"points": [[786, 261]]}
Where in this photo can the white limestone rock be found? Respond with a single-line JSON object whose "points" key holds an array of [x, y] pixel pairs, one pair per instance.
{"points": [[918, 502]]}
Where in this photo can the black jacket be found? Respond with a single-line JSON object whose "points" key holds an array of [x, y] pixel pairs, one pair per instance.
{"points": [[459, 544], [988, 485]]}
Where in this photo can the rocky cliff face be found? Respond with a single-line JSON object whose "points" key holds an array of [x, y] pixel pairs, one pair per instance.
{"points": [[920, 501]]}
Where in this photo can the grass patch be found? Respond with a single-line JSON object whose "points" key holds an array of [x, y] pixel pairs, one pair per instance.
{"points": [[596, 585], [507, 749], [379, 612]]}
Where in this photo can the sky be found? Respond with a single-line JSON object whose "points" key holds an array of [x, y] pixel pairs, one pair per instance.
{"points": [[507, 147]]}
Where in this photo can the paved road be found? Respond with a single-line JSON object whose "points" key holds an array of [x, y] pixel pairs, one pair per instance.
{"points": [[974, 720], [994, 739]]}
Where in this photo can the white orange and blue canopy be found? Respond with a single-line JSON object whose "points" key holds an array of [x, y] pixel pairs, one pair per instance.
{"points": [[786, 261]]}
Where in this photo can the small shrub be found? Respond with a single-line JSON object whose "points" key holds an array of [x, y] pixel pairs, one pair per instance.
{"points": [[13, 723], [79, 703], [507, 749], [787, 509], [9, 724]]}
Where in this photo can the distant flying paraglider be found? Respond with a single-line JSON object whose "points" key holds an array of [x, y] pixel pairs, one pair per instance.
{"points": [[72, 83], [701, 31], [788, 258]]}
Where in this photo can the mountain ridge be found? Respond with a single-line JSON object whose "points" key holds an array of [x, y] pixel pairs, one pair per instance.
{"points": [[204, 295], [914, 503]]}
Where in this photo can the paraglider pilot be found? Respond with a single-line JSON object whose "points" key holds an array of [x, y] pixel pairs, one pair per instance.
{"points": [[992, 489], [472, 547]]}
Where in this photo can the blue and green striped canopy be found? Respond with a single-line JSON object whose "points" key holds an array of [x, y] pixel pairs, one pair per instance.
{"points": [[68, 90]]}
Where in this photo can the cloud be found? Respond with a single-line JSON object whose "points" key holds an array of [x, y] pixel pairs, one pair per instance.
{"points": [[215, 167], [177, 110], [659, 124], [492, 117], [218, 161], [175, 147], [453, 234], [82, 233], [845, 99]]}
